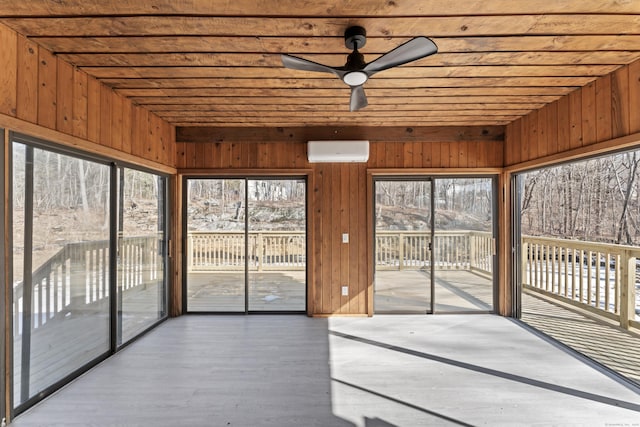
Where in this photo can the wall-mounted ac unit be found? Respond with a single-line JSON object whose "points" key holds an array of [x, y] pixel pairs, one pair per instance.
{"points": [[338, 151]]}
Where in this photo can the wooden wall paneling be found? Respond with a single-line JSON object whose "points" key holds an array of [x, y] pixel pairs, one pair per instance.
{"points": [[117, 125], [603, 108], [454, 154], [317, 229], [141, 143], [80, 103], [373, 154], [252, 155], [64, 97], [369, 239], [435, 155], [105, 116], [534, 142], [335, 256], [152, 136], [589, 135], [417, 154], [427, 154], [552, 127], [27, 80], [363, 257], [575, 117], [346, 204], [525, 144], [407, 154], [563, 124], [236, 158], [444, 153], [47, 80], [326, 238], [9, 75], [541, 128], [93, 109], [169, 143], [127, 126], [634, 97], [510, 133], [620, 103], [263, 155]]}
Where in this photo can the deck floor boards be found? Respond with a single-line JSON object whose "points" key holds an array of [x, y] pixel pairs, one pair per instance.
{"points": [[601, 341]]}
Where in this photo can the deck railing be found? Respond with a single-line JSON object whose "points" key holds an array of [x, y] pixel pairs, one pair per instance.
{"points": [[598, 277], [452, 250], [267, 250], [395, 250], [77, 277]]}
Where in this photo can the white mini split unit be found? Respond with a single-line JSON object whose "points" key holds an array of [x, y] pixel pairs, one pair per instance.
{"points": [[338, 151]]}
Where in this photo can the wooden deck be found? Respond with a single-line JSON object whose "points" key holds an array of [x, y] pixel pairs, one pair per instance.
{"points": [[454, 291], [600, 340]]}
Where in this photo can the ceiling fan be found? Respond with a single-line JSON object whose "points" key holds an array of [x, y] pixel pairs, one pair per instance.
{"points": [[356, 72]]}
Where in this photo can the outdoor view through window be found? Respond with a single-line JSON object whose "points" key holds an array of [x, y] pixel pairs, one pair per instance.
{"points": [[580, 230]]}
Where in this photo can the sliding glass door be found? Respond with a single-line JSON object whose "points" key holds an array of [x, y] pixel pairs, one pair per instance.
{"points": [[246, 245], [142, 294], [88, 266], [434, 245], [61, 308], [403, 236], [464, 245]]}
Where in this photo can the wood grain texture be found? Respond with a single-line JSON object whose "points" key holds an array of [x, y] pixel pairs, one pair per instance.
{"points": [[228, 57], [600, 112], [40, 89], [339, 197]]}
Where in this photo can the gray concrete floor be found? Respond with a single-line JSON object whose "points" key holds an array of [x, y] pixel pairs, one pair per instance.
{"points": [[375, 372]]}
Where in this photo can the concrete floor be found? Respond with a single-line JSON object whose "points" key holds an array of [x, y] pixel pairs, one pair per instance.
{"points": [[375, 372]]}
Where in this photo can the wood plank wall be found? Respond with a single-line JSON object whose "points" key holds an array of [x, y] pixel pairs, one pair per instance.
{"points": [[605, 109], [338, 200], [38, 88]]}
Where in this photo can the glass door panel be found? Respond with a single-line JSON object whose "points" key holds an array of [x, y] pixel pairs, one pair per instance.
{"points": [[61, 304], [464, 245], [277, 244], [215, 264], [141, 243], [402, 246]]}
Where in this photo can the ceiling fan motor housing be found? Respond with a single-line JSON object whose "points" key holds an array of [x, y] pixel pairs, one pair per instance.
{"points": [[355, 37]]}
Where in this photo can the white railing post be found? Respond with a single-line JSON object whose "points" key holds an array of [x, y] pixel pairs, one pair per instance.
{"points": [[627, 288], [260, 250], [190, 253], [400, 251]]}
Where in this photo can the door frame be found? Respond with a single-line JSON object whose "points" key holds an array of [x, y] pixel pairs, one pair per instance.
{"points": [[246, 175], [433, 174]]}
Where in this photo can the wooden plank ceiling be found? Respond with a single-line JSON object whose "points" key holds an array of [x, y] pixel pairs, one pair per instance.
{"points": [[217, 63]]}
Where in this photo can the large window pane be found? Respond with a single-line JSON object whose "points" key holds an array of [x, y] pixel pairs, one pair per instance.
{"points": [[60, 267], [141, 244]]}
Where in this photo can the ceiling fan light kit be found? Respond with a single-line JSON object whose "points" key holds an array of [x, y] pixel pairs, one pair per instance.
{"points": [[356, 71]]}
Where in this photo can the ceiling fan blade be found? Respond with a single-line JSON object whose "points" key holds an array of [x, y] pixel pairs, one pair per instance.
{"points": [[296, 63], [412, 50], [358, 98]]}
